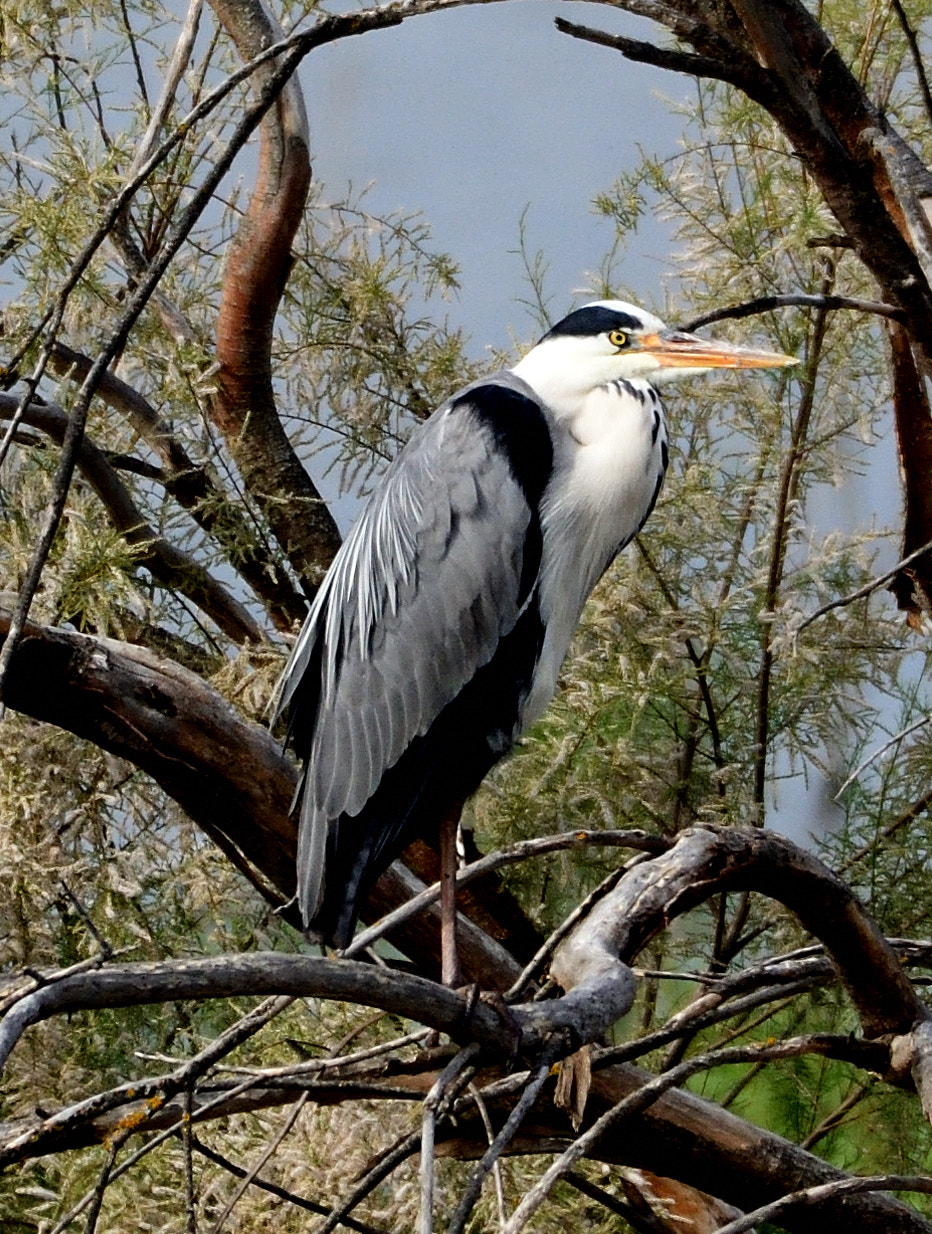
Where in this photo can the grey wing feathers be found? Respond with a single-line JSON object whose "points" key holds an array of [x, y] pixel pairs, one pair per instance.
{"points": [[418, 598]]}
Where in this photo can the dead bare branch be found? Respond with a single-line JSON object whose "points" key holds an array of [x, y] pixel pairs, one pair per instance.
{"points": [[451, 1081], [540, 846], [836, 1190], [707, 860], [259, 973], [638, 1101], [500, 1144], [766, 304]]}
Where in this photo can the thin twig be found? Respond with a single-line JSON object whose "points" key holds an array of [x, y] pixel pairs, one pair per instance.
{"points": [[351, 1223], [874, 585], [430, 1114], [502, 1140], [639, 1100], [335, 1063], [789, 478], [621, 1208], [550, 944], [828, 1191], [909, 815], [881, 751], [173, 76], [521, 851], [831, 1121], [918, 62], [684, 1023], [185, 1075], [666, 974], [384, 1166], [483, 1109], [103, 1181], [266, 1155], [189, 1196], [105, 948]]}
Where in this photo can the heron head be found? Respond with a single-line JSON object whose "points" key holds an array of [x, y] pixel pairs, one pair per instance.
{"points": [[610, 339]]}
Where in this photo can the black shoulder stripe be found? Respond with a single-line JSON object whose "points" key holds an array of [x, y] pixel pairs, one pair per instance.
{"points": [[519, 429]]}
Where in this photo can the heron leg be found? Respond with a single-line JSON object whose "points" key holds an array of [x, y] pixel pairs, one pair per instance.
{"points": [[450, 973]]}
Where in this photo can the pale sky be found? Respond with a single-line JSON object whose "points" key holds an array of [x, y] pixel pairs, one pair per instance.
{"points": [[473, 114]]}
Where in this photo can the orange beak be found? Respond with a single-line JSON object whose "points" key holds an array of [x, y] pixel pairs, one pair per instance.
{"points": [[676, 349]]}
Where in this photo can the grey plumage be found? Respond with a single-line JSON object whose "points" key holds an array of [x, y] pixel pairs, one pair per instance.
{"points": [[439, 632], [423, 589]]}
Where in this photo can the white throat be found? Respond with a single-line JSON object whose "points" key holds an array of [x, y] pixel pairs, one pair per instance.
{"points": [[560, 384]]}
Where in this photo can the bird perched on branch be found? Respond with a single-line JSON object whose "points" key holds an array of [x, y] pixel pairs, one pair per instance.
{"points": [[439, 632]]}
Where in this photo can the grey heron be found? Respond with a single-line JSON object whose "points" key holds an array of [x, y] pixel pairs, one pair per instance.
{"points": [[440, 629]]}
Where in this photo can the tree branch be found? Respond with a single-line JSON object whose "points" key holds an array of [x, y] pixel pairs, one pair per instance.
{"points": [[705, 861], [912, 417], [828, 1191], [195, 488], [766, 304], [733, 71], [258, 265], [259, 973], [230, 777], [802, 81], [173, 567]]}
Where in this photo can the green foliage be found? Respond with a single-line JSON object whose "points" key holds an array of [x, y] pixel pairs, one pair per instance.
{"points": [[693, 693], [692, 648]]}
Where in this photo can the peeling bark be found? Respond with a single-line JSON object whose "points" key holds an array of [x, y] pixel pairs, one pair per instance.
{"points": [[258, 265]]}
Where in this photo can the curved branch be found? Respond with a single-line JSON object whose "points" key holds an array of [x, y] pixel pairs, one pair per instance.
{"points": [[258, 265], [260, 973], [706, 861]]}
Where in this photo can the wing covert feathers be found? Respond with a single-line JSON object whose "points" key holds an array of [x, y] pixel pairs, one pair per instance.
{"points": [[429, 581]]}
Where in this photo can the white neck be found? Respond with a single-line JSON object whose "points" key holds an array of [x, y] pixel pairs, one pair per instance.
{"points": [[561, 387]]}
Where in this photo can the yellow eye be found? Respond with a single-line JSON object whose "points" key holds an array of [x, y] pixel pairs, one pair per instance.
{"points": [[618, 338]]}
